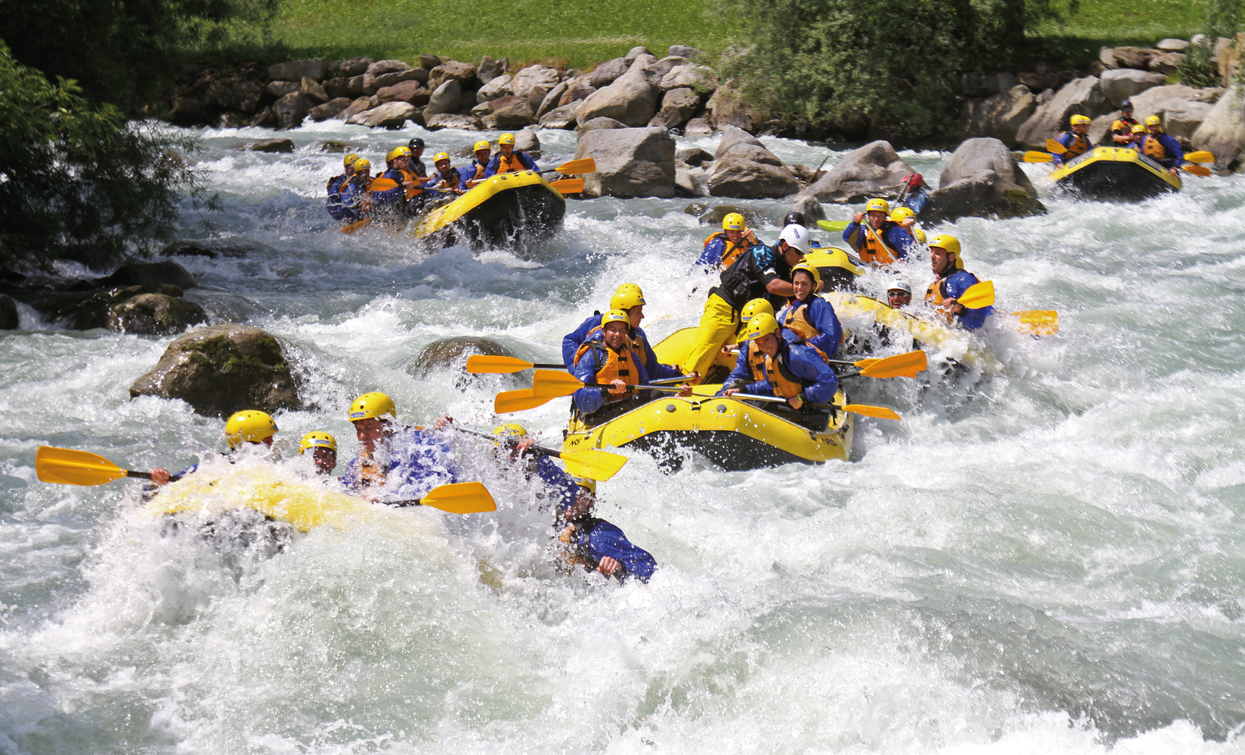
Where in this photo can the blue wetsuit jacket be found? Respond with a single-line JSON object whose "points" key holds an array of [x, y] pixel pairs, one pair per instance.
{"points": [[353, 197], [592, 397], [334, 201], [895, 237], [495, 162], [1175, 154], [594, 539], [573, 340], [953, 286], [419, 460], [805, 364], [821, 314]]}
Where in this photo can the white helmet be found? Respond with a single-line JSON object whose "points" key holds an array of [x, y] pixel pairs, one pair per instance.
{"points": [[900, 286], [796, 236]]}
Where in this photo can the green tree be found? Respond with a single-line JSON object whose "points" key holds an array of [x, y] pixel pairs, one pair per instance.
{"points": [[868, 67], [77, 181]]}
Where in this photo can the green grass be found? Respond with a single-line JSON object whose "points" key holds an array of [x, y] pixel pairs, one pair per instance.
{"points": [[1076, 37], [571, 33]]}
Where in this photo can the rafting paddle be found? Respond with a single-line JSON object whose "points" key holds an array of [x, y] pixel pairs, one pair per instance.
{"points": [[900, 365], [574, 167], [978, 295], [1038, 157], [569, 185], [482, 364], [1055, 147], [591, 463], [455, 498], [880, 412], [1201, 156], [1196, 170], [550, 384], [832, 225], [517, 401], [1039, 322], [66, 466]]}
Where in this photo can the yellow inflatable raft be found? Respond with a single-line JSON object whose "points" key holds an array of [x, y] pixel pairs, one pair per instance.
{"points": [[510, 210], [1115, 173]]}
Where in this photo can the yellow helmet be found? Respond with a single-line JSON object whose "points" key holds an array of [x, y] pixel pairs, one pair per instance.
{"points": [[317, 439], [756, 307], [1080, 120], [615, 315], [1138, 128], [373, 406], [1154, 120], [249, 426], [811, 270], [920, 235], [349, 159], [901, 214], [481, 145], [761, 325], [951, 244], [439, 157], [362, 164], [509, 430], [627, 296], [877, 205], [506, 139], [734, 222], [397, 152]]}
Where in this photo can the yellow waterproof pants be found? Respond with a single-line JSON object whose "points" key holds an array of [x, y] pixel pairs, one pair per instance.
{"points": [[717, 326]]}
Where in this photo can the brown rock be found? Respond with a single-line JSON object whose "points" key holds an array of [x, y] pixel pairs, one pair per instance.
{"points": [[407, 91], [330, 109], [155, 315], [272, 145], [463, 73], [313, 91]]}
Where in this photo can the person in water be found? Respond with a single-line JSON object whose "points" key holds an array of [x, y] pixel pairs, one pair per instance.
{"points": [[337, 184], [513, 440], [596, 544], [394, 459], [794, 371], [875, 238], [723, 247], [899, 295], [808, 318], [951, 283], [448, 180], [1160, 147], [323, 447], [1074, 140], [608, 366], [630, 299], [508, 159], [357, 195], [247, 428], [915, 195], [763, 272], [474, 173]]}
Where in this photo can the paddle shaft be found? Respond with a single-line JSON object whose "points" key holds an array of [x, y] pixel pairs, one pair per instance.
{"points": [[509, 440], [779, 400]]}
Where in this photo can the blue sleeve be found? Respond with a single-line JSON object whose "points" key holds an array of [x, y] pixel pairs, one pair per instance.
{"points": [[464, 174], [573, 340], [420, 460], [901, 241], [957, 284], [809, 366], [352, 199], [150, 488], [589, 398], [711, 255], [852, 235], [656, 370], [1066, 139], [741, 373], [917, 200], [562, 488], [391, 196], [826, 321], [1174, 152], [527, 160], [608, 540], [493, 164], [334, 201]]}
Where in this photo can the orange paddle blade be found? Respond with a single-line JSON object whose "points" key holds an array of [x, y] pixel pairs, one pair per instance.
{"points": [[480, 364], [577, 167], [552, 384], [569, 185], [978, 296], [66, 466], [900, 365], [517, 401], [880, 412]]}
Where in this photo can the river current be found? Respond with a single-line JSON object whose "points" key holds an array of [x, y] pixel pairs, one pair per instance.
{"points": [[1045, 556]]}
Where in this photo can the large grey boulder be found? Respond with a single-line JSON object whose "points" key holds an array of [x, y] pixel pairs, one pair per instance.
{"points": [[446, 98], [607, 73], [1183, 120], [1167, 63], [407, 91], [1123, 83], [453, 120], [637, 52], [345, 87], [727, 107], [870, 171], [665, 65], [508, 113], [497, 87], [702, 79], [381, 68], [279, 89], [534, 82], [463, 73], [551, 100], [1223, 131], [999, 116], [155, 315], [360, 105], [631, 162], [564, 117], [291, 109], [677, 107], [234, 94], [222, 369], [490, 69], [295, 70], [684, 51], [1172, 45], [311, 89], [389, 115], [1126, 57], [1081, 96], [632, 98], [577, 89], [166, 273], [810, 208], [744, 168], [982, 179], [354, 67]]}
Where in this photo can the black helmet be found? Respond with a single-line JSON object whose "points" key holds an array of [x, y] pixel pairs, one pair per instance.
{"points": [[1126, 105], [795, 217], [416, 143]]}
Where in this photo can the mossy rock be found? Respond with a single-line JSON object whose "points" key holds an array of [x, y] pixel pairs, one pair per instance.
{"points": [[222, 369], [450, 355], [155, 315], [87, 311]]}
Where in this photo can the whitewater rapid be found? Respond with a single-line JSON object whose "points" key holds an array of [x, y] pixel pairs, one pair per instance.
{"points": [[1044, 557]]}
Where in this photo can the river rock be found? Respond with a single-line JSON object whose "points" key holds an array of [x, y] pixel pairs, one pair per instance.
{"points": [[345, 87], [453, 120], [635, 53], [508, 113], [222, 369], [209, 249], [631, 99], [693, 156], [873, 170], [272, 145], [234, 94], [398, 77], [533, 78], [388, 115], [677, 107], [744, 168], [166, 273], [446, 98], [290, 110], [328, 110], [312, 90], [155, 315], [1000, 116], [429, 62], [596, 123], [665, 65], [358, 106], [90, 310], [577, 89], [452, 70], [263, 119], [701, 79], [684, 51], [353, 67], [229, 119], [714, 215], [295, 70], [489, 69], [498, 86], [1172, 45], [1123, 83], [811, 209], [527, 141], [727, 107], [982, 179], [449, 354], [698, 127], [185, 109], [1223, 131], [686, 184], [407, 91], [607, 73], [551, 100], [1078, 96], [1183, 120], [564, 117], [279, 89], [1126, 57], [1167, 64], [9, 319], [631, 162]]}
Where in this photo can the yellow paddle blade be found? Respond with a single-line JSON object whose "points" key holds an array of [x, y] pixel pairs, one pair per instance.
{"points": [[881, 412], [1196, 170], [460, 498], [480, 364], [900, 365], [1056, 147], [1039, 322], [65, 466], [596, 465], [569, 185], [1201, 156], [517, 401], [577, 167], [832, 225], [552, 384], [356, 225], [1038, 157], [382, 184], [978, 295]]}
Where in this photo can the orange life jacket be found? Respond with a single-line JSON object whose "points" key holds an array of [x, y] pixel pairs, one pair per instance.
{"points": [[756, 361], [1151, 147], [617, 365], [1080, 145], [635, 340], [412, 191], [511, 164], [874, 249], [479, 176], [785, 382], [730, 250], [797, 322]]}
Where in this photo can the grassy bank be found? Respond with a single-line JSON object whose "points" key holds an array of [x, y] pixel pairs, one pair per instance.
{"points": [[1087, 25], [572, 33]]}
